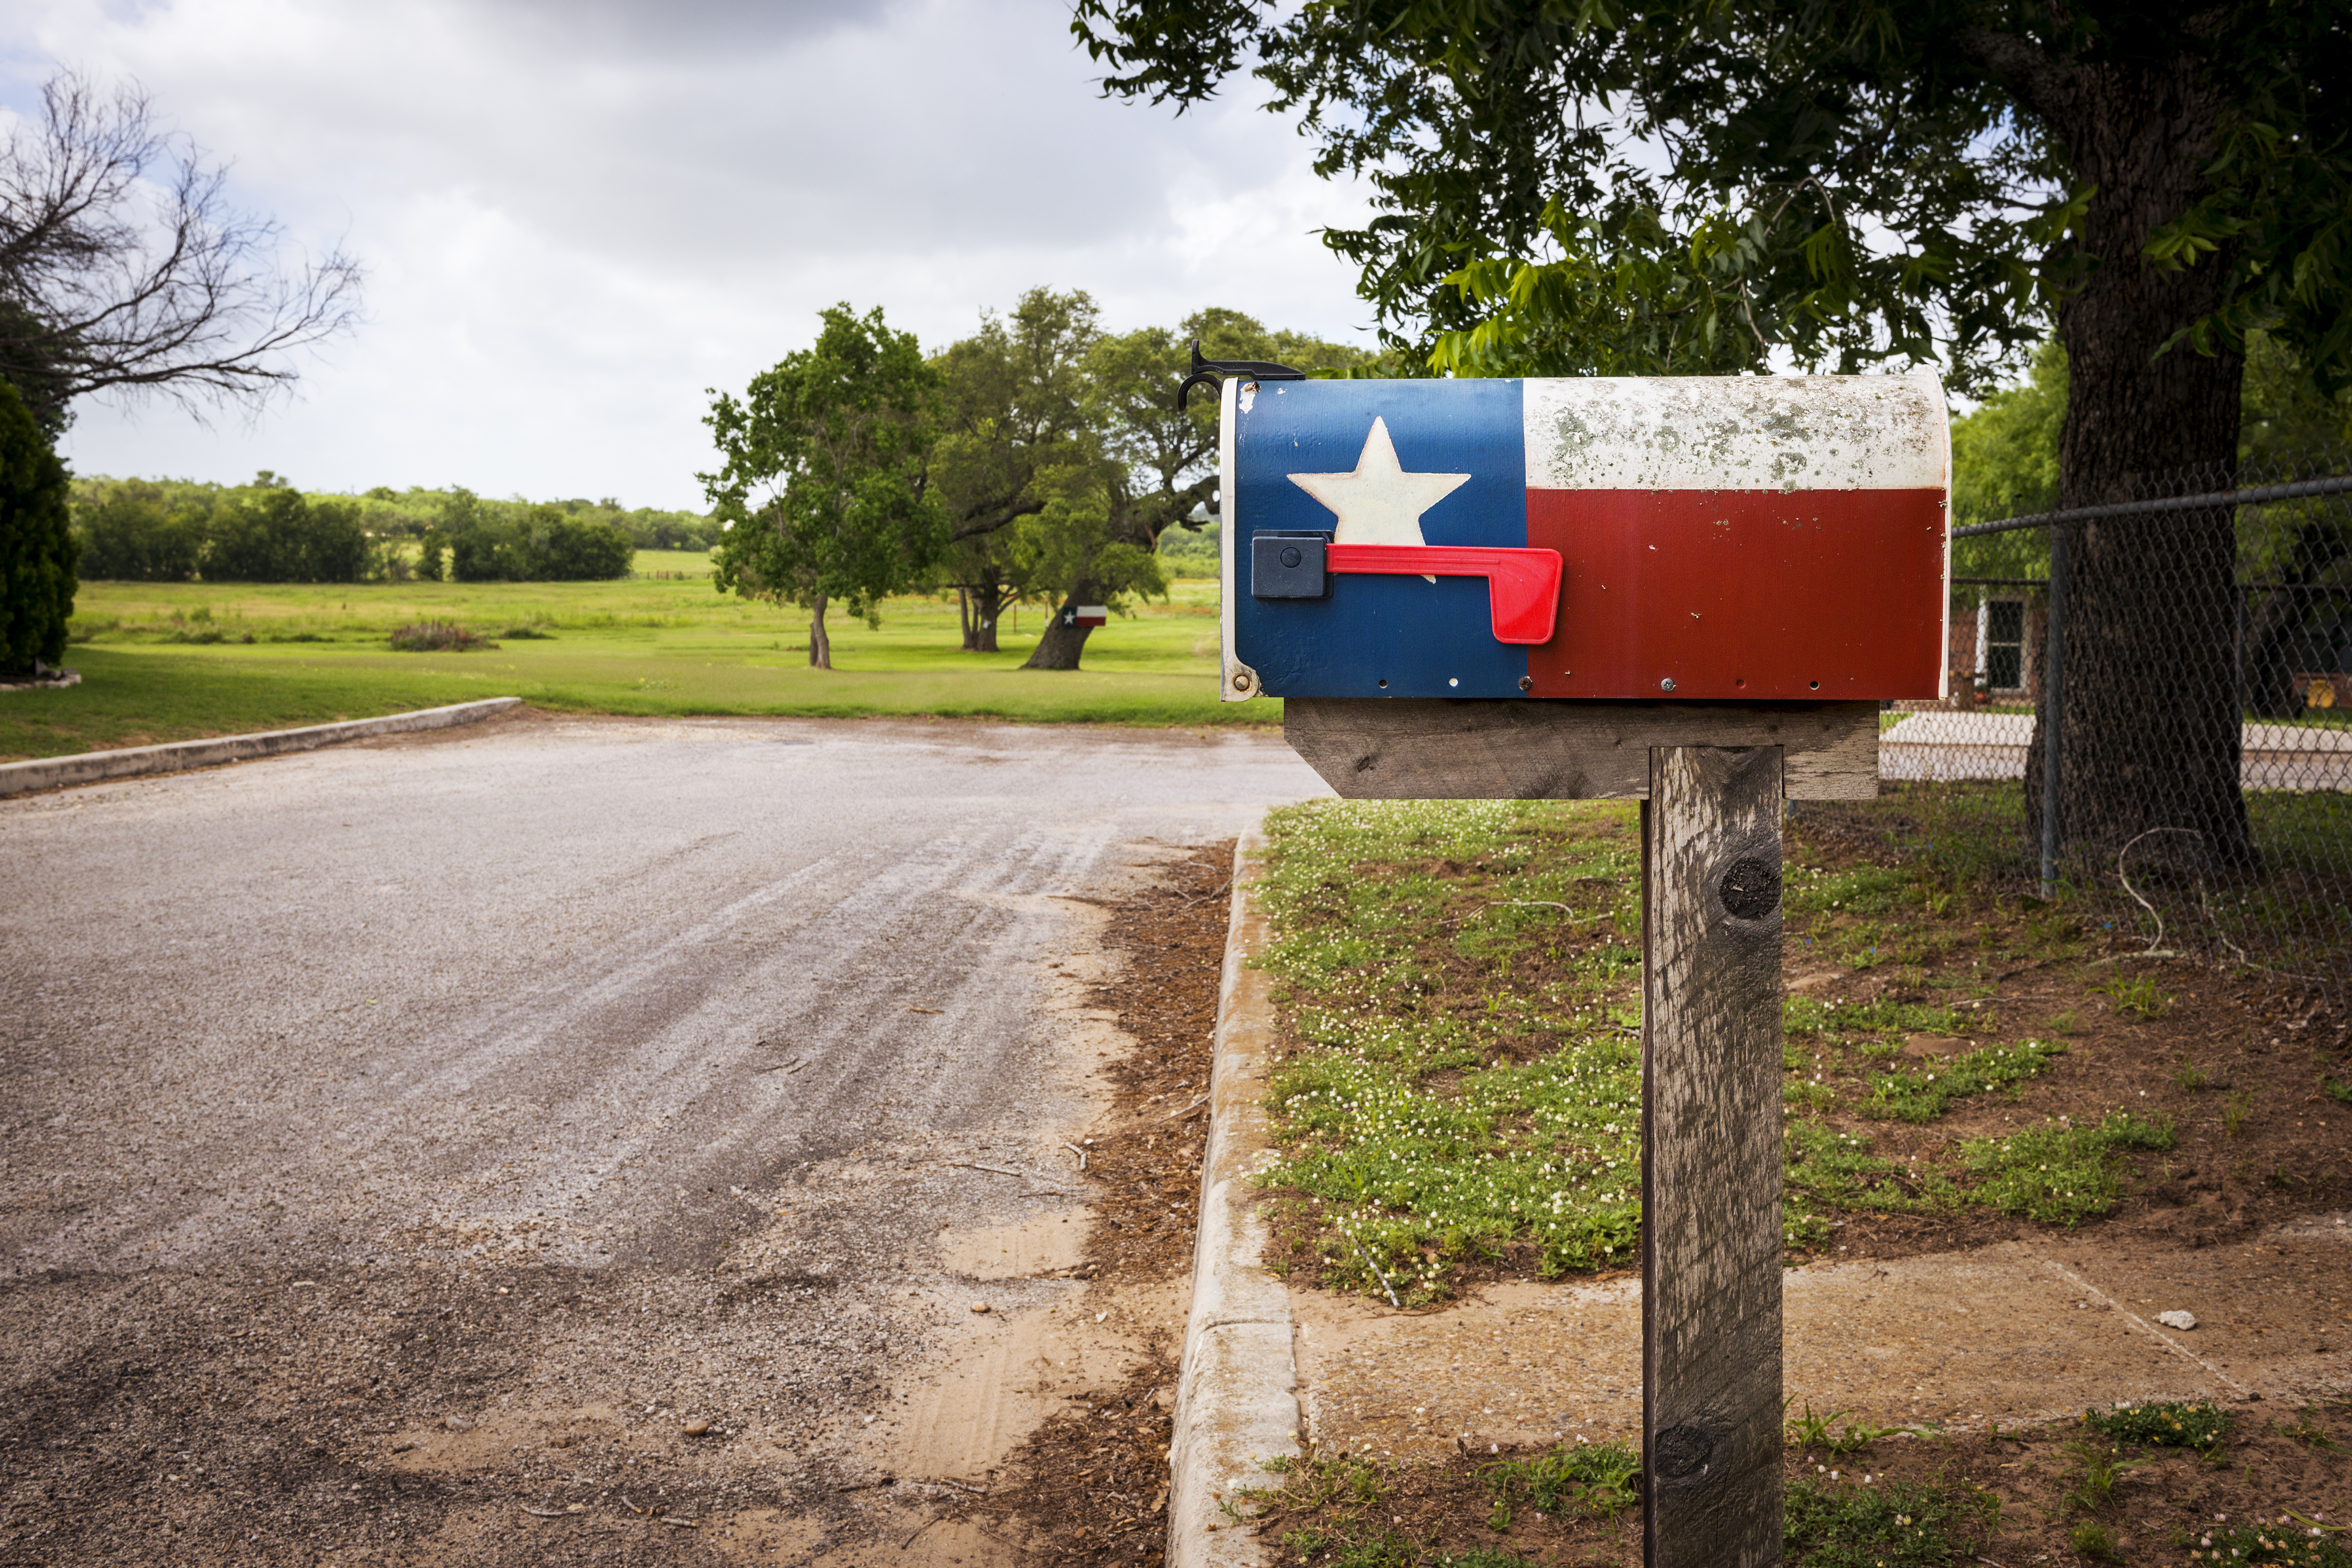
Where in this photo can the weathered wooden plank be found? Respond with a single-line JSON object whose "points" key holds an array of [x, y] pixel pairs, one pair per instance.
{"points": [[1711, 1157], [1421, 749]]}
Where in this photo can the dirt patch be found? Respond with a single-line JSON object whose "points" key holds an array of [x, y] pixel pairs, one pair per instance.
{"points": [[1090, 1485], [2237, 1064], [1047, 1244], [2065, 1493], [1147, 1155]]}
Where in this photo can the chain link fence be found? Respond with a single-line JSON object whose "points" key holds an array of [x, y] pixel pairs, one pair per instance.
{"points": [[2189, 792]]}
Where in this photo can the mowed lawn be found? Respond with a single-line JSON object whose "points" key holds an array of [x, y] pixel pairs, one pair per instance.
{"points": [[173, 662]]}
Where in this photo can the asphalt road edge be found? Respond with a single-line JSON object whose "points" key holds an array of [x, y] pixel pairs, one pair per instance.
{"points": [[1237, 1391], [177, 757]]}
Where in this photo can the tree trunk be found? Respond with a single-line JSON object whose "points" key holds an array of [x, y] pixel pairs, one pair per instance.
{"points": [[963, 615], [988, 607], [1064, 639], [820, 645], [2150, 702]]}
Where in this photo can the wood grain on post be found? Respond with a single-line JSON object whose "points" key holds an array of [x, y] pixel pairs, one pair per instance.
{"points": [[1439, 749], [1711, 1157]]}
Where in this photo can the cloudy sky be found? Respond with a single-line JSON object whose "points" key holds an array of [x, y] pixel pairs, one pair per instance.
{"points": [[577, 214]]}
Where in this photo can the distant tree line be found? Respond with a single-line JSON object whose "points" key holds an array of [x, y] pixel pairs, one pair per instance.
{"points": [[175, 531]]}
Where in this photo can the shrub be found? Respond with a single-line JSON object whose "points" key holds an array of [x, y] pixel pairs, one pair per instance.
{"points": [[38, 553], [437, 637]]}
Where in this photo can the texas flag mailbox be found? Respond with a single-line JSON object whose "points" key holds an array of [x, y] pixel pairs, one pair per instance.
{"points": [[1674, 539]]}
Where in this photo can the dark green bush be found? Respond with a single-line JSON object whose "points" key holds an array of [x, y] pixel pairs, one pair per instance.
{"points": [[133, 532], [276, 534], [38, 553], [544, 544]]}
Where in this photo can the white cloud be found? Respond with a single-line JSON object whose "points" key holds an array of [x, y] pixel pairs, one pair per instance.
{"points": [[578, 215]]}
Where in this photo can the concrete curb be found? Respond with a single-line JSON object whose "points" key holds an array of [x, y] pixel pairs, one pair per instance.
{"points": [[89, 767], [1236, 1401]]}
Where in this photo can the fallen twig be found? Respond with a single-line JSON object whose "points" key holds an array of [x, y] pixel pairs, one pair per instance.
{"points": [[1081, 1153], [633, 1507], [992, 1170], [914, 1009], [546, 1513], [1188, 1110], [792, 1066], [682, 1523], [869, 1486], [920, 1529], [1204, 898]]}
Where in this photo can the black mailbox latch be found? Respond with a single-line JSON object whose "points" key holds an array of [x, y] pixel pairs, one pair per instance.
{"points": [[1288, 565]]}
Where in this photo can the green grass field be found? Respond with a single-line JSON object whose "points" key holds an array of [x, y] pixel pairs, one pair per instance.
{"points": [[175, 661]]}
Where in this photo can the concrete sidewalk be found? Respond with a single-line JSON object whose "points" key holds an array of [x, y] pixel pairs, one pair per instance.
{"points": [[2024, 1331], [2015, 1333]]}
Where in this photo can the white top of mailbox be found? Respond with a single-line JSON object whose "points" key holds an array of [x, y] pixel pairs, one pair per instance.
{"points": [[1737, 433]]}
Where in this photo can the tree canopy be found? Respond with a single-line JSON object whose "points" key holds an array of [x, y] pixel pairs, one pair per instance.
{"points": [[1680, 186], [1016, 435], [1152, 466], [825, 492]]}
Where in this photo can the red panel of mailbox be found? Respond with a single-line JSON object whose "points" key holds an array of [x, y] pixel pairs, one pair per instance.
{"points": [[1815, 595]]}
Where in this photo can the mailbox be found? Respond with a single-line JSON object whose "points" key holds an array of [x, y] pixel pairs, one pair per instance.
{"points": [[1672, 539]]}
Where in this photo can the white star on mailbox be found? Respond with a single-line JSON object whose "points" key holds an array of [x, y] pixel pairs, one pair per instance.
{"points": [[1380, 503]]}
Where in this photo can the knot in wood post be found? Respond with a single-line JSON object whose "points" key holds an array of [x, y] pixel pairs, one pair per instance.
{"points": [[1751, 888]]}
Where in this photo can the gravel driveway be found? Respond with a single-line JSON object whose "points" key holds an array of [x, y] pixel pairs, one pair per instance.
{"points": [[401, 1137]]}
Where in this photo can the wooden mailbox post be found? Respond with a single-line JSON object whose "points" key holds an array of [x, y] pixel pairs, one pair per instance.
{"points": [[1695, 593]]}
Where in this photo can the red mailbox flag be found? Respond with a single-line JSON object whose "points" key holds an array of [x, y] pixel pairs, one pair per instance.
{"points": [[1522, 585]]}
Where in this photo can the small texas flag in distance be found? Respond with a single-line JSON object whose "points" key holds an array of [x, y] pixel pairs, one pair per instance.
{"points": [[1715, 538]]}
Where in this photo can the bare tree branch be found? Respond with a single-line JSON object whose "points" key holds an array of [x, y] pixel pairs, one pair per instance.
{"points": [[123, 268]]}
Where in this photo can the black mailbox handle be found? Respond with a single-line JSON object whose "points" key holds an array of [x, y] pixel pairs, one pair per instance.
{"points": [[1213, 373]]}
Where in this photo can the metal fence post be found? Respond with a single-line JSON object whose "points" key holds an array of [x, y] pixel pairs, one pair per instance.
{"points": [[2053, 663]]}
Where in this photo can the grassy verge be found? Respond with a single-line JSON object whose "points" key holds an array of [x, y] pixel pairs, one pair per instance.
{"points": [[175, 661], [2205, 1485], [1464, 1072], [1458, 1092]]}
